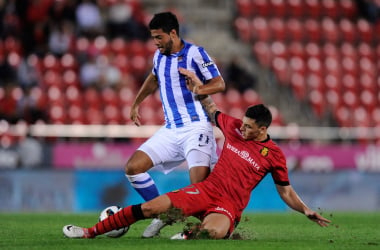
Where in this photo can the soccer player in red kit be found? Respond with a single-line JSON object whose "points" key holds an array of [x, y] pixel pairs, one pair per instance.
{"points": [[248, 155]]}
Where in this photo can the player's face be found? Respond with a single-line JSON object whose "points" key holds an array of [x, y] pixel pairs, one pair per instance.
{"points": [[162, 40], [250, 130]]}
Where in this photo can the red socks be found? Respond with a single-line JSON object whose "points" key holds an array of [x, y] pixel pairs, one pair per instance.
{"points": [[123, 218]]}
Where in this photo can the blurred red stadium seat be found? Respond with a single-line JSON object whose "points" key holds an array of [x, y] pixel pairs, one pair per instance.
{"points": [[350, 66], [278, 49], [251, 97], [57, 114], [298, 85], [76, 114], [55, 96], [52, 78], [110, 97], [297, 65], [278, 29], [278, 8], [101, 45], [348, 31], [312, 49], [333, 99], [313, 30], [350, 99], [68, 62], [331, 9], [296, 49], [317, 102], [332, 66], [361, 118], [281, 69], [92, 98], [348, 8], [332, 82], [263, 53], [94, 116], [244, 7], [70, 78], [73, 96], [343, 116], [315, 82], [367, 51], [365, 31], [260, 29], [243, 28], [330, 30], [349, 83], [313, 9], [368, 100], [296, 8], [112, 115], [119, 46], [261, 8], [295, 30]]}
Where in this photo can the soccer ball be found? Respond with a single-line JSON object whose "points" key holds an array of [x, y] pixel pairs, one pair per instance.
{"points": [[108, 212]]}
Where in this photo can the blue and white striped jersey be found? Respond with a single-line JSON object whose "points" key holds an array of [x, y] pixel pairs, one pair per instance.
{"points": [[179, 105]]}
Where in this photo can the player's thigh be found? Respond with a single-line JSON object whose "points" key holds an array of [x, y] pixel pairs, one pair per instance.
{"points": [[163, 147], [157, 206], [217, 225], [199, 165]]}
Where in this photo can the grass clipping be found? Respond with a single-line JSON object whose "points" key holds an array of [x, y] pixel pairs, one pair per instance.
{"points": [[193, 229]]}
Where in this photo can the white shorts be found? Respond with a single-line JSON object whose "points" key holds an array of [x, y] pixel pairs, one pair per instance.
{"points": [[169, 148]]}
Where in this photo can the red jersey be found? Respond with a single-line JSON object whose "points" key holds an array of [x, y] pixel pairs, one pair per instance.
{"points": [[243, 164]]}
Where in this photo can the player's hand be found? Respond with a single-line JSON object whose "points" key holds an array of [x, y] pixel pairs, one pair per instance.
{"points": [[192, 81], [134, 115], [317, 218]]}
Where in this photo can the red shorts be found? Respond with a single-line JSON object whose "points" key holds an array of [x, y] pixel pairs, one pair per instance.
{"points": [[194, 201]]}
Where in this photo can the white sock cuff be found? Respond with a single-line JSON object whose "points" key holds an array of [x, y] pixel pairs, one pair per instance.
{"points": [[142, 180], [138, 177]]}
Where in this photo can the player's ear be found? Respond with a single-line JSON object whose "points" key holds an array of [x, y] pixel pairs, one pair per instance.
{"points": [[173, 33], [263, 129]]}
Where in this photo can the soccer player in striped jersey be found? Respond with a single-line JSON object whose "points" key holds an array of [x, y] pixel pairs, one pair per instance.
{"points": [[248, 155], [187, 133]]}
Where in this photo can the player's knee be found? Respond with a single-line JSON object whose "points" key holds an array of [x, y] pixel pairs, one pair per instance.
{"points": [[147, 210], [138, 163], [131, 168], [214, 232]]}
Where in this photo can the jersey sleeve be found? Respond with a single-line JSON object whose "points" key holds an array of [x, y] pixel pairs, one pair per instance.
{"points": [[280, 171], [204, 65], [154, 61], [221, 120]]}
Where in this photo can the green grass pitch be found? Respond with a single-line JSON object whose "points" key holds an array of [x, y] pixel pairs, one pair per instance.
{"points": [[260, 231]]}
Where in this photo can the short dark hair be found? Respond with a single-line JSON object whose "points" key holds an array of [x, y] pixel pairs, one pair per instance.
{"points": [[261, 115], [165, 21]]}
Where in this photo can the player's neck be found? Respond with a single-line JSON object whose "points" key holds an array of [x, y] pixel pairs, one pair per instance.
{"points": [[262, 138], [178, 45]]}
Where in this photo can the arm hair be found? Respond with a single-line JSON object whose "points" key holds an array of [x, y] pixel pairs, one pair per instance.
{"points": [[209, 105]]}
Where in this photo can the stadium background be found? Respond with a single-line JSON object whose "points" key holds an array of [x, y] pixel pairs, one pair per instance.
{"points": [[67, 82]]}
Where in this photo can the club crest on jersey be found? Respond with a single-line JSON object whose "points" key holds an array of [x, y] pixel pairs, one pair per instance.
{"points": [[206, 64], [264, 151]]}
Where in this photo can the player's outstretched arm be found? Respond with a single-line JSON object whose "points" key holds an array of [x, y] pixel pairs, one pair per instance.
{"points": [[195, 85], [291, 198]]}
